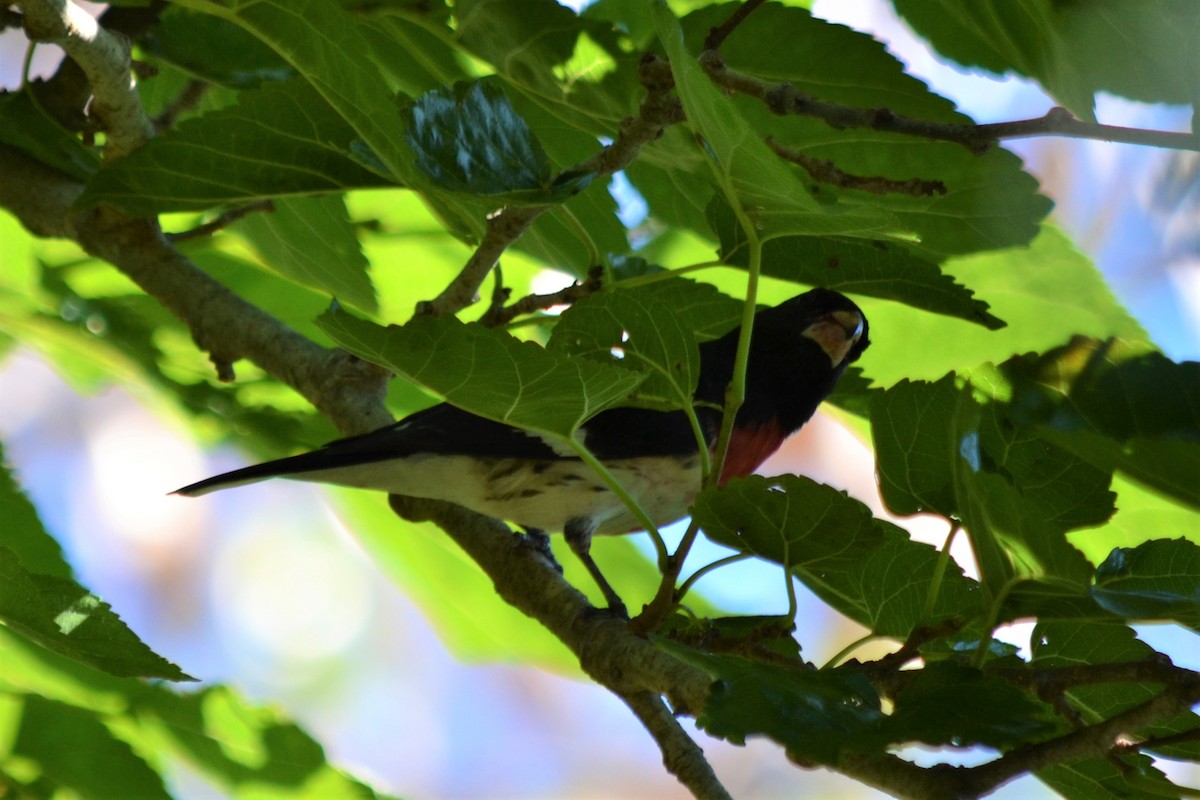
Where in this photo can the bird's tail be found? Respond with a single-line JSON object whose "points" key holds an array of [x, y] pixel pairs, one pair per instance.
{"points": [[281, 468]]}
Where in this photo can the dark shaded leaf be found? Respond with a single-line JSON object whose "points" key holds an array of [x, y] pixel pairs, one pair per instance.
{"points": [[945, 703], [1156, 580], [814, 714], [29, 130], [1117, 406], [470, 139]]}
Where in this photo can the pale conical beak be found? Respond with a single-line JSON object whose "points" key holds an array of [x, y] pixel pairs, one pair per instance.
{"points": [[836, 332]]}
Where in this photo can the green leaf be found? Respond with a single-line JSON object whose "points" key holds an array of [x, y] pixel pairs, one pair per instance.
{"points": [[1143, 51], [657, 329], [25, 127], [24, 533], [213, 49], [814, 714], [1047, 293], [61, 615], [916, 447], [311, 241], [279, 140], [325, 44], [224, 739], [774, 200], [888, 270], [76, 752], [946, 703], [1117, 406], [1156, 580], [940, 450], [488, 372], [866, 568], [989, 201], [1137, 778], [470, 139]]}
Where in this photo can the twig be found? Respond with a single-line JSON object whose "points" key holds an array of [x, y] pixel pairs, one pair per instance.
{"points": [[222, 221], [1159, 742], [104, 58], [682, 757], [717, 36], [659, 109], [185, 101], [498, 314], [783, 98], [825, 171]]}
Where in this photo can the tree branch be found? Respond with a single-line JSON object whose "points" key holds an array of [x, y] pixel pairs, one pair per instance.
{"points": [[783, 98], [104, 58], [659, 109], [682, 757], [1093, 741]]}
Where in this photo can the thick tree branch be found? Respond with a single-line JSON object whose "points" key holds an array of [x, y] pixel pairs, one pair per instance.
{"points": [[659, 109], [347, 390], [104, 58], [783, 98]]}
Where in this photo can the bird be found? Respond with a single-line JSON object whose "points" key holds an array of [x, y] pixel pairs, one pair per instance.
{"points": [[798, 351]]}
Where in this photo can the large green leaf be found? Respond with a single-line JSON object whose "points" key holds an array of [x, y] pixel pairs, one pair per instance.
{"points": [[282, 139], [1145, 51], [772, 198], [887, 270], [213, 49], [939, 450], [311, 241], [990, 202], [866, 568], [61, 615], [488, 372], [325, 45], [1047, 293]]}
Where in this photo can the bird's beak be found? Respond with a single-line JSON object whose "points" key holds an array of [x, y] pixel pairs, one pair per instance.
{"points": [[836, 332]]}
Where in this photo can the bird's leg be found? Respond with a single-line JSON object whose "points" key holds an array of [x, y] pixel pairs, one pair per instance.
{"points": [[537, 541], [578, 533]]}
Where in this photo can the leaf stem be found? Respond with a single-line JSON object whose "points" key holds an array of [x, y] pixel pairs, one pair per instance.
{"points": [[939, 572], [686, 586]]}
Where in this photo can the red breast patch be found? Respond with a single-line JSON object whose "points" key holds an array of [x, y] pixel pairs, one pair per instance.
{"points": [[750, 447]]}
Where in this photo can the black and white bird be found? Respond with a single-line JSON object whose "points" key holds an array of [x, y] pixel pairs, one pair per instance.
{"points": [[798, 351]]}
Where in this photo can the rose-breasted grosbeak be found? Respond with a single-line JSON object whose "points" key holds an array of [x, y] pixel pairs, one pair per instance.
{"points": [[797, 353]]}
